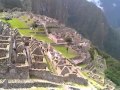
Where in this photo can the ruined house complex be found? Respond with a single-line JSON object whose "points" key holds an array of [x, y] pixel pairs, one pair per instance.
{"points": [[25, 57]]}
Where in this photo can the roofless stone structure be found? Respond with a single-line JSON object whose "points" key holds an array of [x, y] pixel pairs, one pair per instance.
{"points": [[24, 57]]}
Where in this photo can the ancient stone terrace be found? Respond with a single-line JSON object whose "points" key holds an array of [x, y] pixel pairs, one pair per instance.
{"points": [[79, 44], [20, 64], [4, 58], [62, 65], [5, 49], [48, 21], [5, 39], [27, 59], [37, 57], [39, 67], [57, 39]]}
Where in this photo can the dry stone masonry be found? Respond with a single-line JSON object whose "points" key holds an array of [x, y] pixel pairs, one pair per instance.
{"points": [[24, 57]]}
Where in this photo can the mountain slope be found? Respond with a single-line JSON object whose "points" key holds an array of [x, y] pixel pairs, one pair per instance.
{"points": [[85, 17], [110, 9], [76, 14], [10, 3]]}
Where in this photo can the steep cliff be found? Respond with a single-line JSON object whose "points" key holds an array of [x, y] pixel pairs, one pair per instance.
{"points": [[85, 17], [78, 14], [10, 3]]}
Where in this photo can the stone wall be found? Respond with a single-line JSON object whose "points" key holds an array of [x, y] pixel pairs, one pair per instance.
{"points": [[37, 58], [3, 66], [21, 58], [25, 84], [3, 45], [23, 72], [3, 53], [39, 65], [46, 75]]}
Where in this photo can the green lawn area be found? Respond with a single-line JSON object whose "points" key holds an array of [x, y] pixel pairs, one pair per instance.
{"points": [[27, 32], [25, 18], [43, 38], [16, 23], [3, 20], [63, 51]]}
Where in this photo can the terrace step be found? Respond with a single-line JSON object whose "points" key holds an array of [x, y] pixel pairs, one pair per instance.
{"points": [[24, 84]]}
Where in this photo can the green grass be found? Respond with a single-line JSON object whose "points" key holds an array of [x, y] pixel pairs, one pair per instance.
{"points": [[113, 67], [3, 20], [25, 18], [96, 84], [43, 38], [63, 50], [50, 65], [16, 23], [27, 32]]}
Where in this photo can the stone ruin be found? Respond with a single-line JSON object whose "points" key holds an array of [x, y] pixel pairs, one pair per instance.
{"points": [[13, 59], [24, 57], [37, 56]]}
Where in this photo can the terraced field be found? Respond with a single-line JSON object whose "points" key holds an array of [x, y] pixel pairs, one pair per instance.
{"points": [[63, 50], [25, 31]]}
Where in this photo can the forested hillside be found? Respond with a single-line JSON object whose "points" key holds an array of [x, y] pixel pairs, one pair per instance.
{"points": [[85, 17]]}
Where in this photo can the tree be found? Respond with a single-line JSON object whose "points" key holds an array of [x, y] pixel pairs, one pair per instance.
{"points": [[69, 42], [34, 26]]}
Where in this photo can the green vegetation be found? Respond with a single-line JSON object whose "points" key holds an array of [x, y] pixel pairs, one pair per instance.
{"points": [[28, 32], [26, 18], [113, 70], [50, 65], [16, 23], [113, 67], [68, 54], [43, 38]]}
